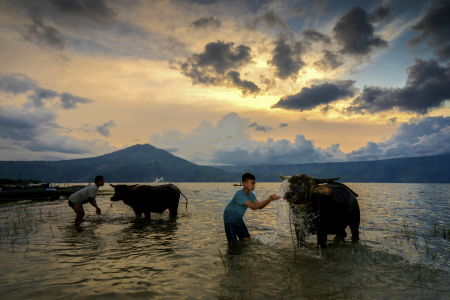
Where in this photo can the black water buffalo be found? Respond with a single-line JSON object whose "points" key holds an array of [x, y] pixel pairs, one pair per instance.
{"points": [[322, 206], [145, 199]]}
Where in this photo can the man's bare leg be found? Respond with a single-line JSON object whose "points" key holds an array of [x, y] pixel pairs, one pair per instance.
{"points": [[78, 208]]}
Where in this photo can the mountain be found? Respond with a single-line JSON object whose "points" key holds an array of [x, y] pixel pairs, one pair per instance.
{"points": [[426, 169], [138, 163]]}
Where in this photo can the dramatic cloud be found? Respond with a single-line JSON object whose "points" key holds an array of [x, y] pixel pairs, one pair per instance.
{"points": [[325, 93], [22, 124], [94, 10], [70, 101], [247, 87], [355, 33], [287, 57], [206, 22], [427, 86], [270, 19], [435, 27], [105, 129], [315, 36], [16, 84], [279, 152], [44, 35], [34, 133], [330, 61], [429, 136], [41, 94], [215, 66], [284, 125], [260, 127], [379, 15], [20, 84]]}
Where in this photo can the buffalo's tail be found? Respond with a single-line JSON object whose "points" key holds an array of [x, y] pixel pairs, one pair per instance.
{"points": [[185, 198], [181, 194]]}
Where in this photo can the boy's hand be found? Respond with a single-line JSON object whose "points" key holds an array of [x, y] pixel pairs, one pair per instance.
{"points": [[274, 197]]}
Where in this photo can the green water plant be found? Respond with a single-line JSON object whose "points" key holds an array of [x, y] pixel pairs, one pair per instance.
{"points": [[223, 260]]}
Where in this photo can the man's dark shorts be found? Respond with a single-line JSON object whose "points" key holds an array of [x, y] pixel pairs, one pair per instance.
{"points": [[71, 204], [232, 230]]}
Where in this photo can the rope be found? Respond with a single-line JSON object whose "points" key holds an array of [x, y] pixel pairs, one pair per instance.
{"points": [[107, 210]]}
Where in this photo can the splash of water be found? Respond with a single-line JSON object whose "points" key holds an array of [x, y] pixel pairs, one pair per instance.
{"points": [[282, 216], [157, 181]]}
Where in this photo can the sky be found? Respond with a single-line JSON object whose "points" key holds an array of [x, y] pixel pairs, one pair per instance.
{"points": [[225, 82]]}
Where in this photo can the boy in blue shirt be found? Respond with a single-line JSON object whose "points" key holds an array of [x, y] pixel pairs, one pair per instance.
{"points": [[235, 210]]}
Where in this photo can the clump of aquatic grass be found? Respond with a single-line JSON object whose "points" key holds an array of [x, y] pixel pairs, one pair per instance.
{"points": [[223, 260], [425, 241], [17, 222], [291, 274]]}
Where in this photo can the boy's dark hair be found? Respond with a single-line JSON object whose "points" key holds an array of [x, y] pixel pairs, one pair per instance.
{"points": [[247, 176], [98, 178]]}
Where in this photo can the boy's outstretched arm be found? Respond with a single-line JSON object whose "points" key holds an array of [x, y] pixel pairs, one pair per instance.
{"points": [[260, 205]]}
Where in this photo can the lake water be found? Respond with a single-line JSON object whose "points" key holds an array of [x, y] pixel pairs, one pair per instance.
{"points": [[403, 251]]}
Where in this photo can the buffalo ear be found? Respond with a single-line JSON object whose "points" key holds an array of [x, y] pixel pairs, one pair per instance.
{"points": [[112, 185], [324, 180]]}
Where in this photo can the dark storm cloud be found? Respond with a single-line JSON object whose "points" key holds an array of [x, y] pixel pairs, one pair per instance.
{"points": [[434, 27], [217, 66], [105, 129], [222, 57], [206, 22], [70, 101], [380, 14], [270, 19], [247, 87], [41, 94], [17, 84], [41, 34], [287, 57], [316, 95], [427, 86], [20, 125], [355, 33], [262, 128], [282, 125], [330, 61], [20, 84], [94, 10], [315, 36]]}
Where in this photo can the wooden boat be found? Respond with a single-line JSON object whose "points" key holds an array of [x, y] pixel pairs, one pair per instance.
{"points": [[37, 193]]}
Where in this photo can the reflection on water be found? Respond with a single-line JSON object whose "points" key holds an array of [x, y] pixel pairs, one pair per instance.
{"points": [[403, 251]]}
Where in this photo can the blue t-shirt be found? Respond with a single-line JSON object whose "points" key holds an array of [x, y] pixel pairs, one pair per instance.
{"points": [[236, 209]]}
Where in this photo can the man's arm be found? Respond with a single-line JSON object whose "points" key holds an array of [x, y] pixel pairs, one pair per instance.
{"points": [[260, 205], [94, 204]]}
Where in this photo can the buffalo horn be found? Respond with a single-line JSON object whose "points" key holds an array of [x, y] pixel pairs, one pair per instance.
{"points": [[112, 185], [324, 180], [134, 185], [284, 177]]}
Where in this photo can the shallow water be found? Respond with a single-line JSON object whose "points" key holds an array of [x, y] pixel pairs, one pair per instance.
{"points": [[403, 250]]}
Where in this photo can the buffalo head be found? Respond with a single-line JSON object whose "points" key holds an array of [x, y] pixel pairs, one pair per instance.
{"points": [[301, 187], [121, 191]]}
